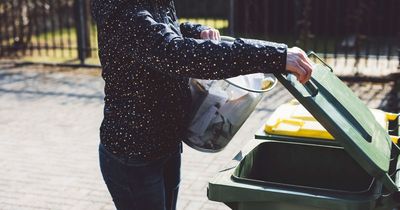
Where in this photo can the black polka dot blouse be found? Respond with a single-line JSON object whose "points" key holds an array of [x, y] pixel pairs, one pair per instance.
{"points": [[147, 58]]}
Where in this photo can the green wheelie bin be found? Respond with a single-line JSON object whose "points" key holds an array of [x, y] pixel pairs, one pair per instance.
{"points": [[359, 172]]}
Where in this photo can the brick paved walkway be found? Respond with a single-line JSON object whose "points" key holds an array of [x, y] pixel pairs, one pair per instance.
{"points": [[49, 135]]}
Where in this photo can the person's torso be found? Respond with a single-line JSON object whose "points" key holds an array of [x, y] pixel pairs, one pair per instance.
{"points": [[145, 109]]}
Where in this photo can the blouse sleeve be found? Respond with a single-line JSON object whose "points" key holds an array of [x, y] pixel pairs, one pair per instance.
{"points": [[158, 46]]}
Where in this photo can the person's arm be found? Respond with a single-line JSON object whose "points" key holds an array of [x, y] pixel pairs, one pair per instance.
{"points": [[159, 47], [297, 61]]}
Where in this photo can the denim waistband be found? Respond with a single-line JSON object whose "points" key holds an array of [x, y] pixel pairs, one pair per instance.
{"points": [[127, 160]]}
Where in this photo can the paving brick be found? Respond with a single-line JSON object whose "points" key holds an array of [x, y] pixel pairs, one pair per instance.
{"points": [[49, 138]]}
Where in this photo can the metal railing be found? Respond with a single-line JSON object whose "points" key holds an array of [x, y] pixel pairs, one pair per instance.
{"points": [[47, 30], [345, 32]]}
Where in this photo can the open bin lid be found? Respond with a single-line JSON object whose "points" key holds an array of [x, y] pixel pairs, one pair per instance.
{"points": [[347, 119]]}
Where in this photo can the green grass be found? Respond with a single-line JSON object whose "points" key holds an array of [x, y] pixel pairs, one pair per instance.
{"points": [[66, 38]]}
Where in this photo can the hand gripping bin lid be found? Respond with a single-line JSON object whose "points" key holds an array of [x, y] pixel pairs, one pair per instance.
{"points": [[367, 153]]}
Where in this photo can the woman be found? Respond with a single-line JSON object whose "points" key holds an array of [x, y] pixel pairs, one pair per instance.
{"points": [[147, 58]]}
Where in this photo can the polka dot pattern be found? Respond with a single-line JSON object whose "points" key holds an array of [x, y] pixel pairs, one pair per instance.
{"points": [[147, 59]]}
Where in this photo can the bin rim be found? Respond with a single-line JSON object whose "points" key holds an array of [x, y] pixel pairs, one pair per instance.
{"points": [[285, 186], [279, 185]]}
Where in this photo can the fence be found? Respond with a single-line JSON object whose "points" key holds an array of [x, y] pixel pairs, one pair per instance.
{"points": [[62, 31], [47, 30], [352, 33]]}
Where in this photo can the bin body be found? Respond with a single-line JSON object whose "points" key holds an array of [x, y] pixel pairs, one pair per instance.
{"points": [[290, 176], [356, 171]]}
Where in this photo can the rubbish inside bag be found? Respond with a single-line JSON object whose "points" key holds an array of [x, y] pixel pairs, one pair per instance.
{"points": [[219, 109]]}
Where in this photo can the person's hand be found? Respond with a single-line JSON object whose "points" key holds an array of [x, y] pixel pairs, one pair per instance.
{"points": [[299, 64], [212, 34]]}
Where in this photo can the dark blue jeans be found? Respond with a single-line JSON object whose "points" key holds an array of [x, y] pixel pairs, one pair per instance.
{"points": [[141, 184]]}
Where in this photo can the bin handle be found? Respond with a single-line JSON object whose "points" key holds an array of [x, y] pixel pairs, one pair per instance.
{"points": [[312, 53], [274, 82]]}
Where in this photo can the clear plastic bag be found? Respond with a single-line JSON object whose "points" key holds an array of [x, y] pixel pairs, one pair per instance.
{"points": [[220, 107]]}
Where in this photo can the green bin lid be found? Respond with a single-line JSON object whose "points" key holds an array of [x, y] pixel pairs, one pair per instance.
{"points": [[347, 119]]}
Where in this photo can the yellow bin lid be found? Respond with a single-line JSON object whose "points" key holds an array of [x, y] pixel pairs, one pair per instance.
{"points": [[292, 119]]}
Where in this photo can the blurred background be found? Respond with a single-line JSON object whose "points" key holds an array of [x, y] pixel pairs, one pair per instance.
{"points": [[51, 92], [354, 34]]}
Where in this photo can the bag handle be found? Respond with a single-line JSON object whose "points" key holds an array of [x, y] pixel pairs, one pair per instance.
{"points": [[227, 38], [274, 82]]}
